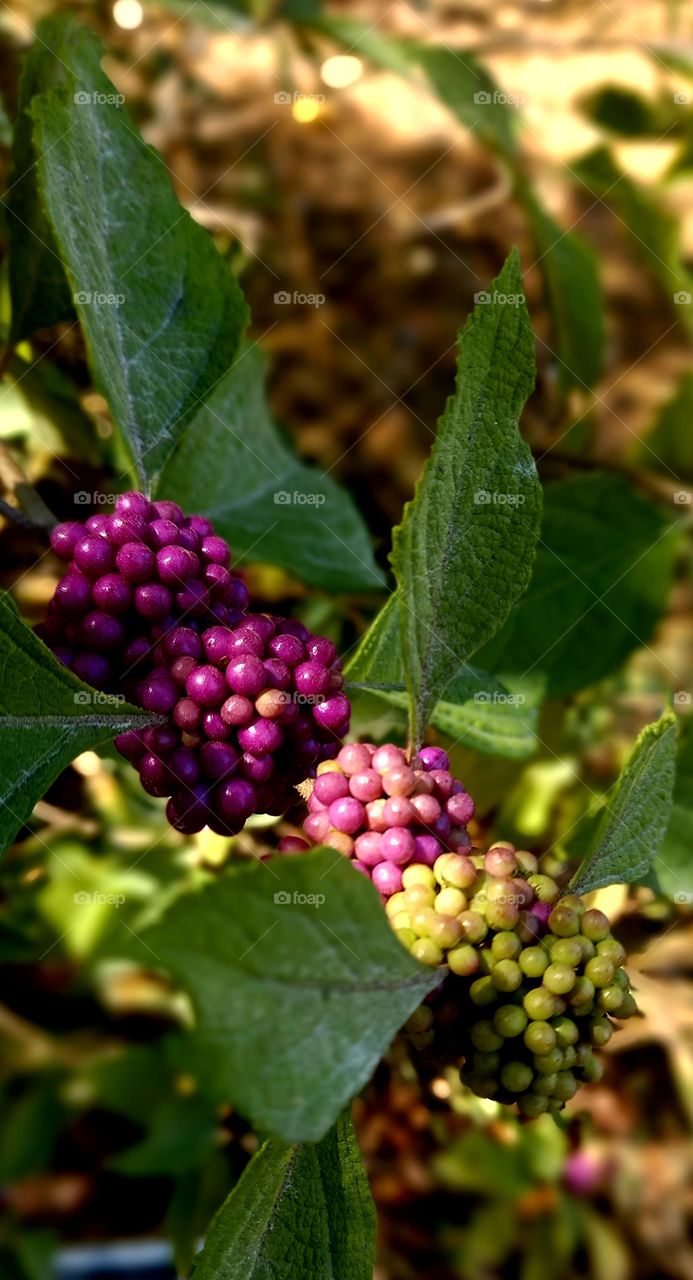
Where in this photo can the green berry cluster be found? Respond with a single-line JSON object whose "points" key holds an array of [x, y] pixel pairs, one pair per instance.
{"points": [[537, 976]]}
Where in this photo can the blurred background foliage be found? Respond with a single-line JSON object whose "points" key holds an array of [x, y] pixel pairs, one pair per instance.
{"points": [[339, 153]]}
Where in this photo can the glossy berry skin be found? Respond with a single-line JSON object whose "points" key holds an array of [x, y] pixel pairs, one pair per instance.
{"points": [[136, 566], [369, 791], [529, 1014]]}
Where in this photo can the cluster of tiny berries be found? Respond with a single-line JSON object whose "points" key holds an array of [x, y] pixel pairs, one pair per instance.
{"points": [[149, 609], [131, 577], [537, 977], [386, 814], [252, 710]]}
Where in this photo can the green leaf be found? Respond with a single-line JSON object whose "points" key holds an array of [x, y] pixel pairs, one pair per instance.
{"points": [[604, 567], [268, 504], [674, 861], [47, 717], [464, 550], [477, 712], [668, 445], [38, 287], [573, 293], [654, 228], [161, 312], [626, 113], [635, 819], [299, 985], [298, 1211]]}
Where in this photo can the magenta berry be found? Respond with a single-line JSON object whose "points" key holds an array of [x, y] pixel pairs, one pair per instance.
{"points": [[392, 810], [149, 607]]}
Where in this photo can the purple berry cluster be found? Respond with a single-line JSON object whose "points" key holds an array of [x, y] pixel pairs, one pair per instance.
{"points": [[251, 711], [374, 806], [131, 577]]}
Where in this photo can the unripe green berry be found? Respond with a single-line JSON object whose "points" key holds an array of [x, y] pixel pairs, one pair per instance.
{"points": [[611, 998], [445, 930], [622, 980], [547, 1063], [482, 991], [559, 978], [516, 1077], [601, 1031], [582, 995], [612, 950], [474, 926], [507, 975], [566, 1031], [545, 889], [629, 1007], [569, 1057], [592, 1071], [455, 870], [567, 951], [540, 1038], [463, 960], [502, 915], [588, 949], [485, 1037], [575, 903], [450, 902], [527, 862], [534, 961], [566, 1086], [544, 1085], [402, 921], [398, 902], [407, 937], [564, 921], [418, 898], [600, 971], [427, 951], [417, 873], [420, 1020], [506, 946], [541, 1004], [509, 1021], [486, 1064], [594, 925], [532, 1105]]}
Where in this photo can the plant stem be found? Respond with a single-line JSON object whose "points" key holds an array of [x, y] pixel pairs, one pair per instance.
{"points": [[16, 485]]}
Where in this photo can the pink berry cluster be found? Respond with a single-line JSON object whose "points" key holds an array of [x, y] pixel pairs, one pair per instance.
{"points": [[385, 813], [131, 577], [252, 710]]}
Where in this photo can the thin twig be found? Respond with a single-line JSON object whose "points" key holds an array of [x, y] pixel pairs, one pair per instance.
{"points": [[16, 485]]}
